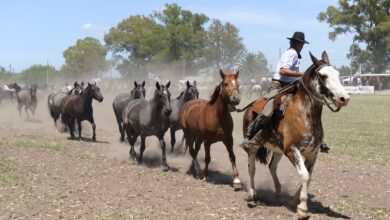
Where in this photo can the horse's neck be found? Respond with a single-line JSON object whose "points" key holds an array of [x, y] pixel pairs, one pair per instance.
{"points": [[220, 106], [86, 99], [312, 106], [154, 107]]}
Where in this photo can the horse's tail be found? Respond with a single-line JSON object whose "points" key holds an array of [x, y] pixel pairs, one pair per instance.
{"points": [[50, 105], [263, 155]]}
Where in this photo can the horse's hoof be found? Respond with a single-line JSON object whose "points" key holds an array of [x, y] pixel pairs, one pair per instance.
{"points": [[237, 184], [93, 139], [302, 214], [250, 198], [164, 168]]}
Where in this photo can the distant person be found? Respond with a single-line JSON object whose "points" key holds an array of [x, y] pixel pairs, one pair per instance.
{"points": [[287, 72]]}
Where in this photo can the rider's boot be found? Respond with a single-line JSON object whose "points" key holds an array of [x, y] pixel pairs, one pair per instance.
{"points": [[253, 128]]}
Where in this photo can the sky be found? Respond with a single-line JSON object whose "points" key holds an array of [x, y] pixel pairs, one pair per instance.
{"points": [[39, 31]]}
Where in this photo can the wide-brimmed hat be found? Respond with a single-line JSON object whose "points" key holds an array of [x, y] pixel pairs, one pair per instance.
{"points": [[298, 36]]}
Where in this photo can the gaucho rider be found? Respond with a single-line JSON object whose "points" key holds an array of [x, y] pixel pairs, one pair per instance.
{"points": [[287, 71]]}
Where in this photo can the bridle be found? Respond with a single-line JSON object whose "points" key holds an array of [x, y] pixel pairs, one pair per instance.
{"points": [[322, 100]]}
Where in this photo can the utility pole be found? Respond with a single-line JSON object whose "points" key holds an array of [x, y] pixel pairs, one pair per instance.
{"points": [[350, 63]]}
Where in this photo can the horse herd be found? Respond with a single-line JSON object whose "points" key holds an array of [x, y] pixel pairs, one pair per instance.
{"points": [[297, 134]]}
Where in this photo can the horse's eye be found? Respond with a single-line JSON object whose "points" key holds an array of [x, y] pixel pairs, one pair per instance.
{"points": [[225, 84]]}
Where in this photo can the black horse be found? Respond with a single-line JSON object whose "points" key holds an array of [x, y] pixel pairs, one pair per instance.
{"points": [[146, 118], [188, 94], [27, 98], [122, 100], [54, 100], [79, 107]]}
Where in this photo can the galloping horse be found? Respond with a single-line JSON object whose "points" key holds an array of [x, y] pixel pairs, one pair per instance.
{"points": [[79, 107], [28, 99], [188, 94], [210, 122], [146, 118], [299, 133], [55, 99], [122, 100]]}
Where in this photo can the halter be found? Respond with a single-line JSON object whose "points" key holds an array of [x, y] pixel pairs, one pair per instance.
{"points": [[322, 100]]}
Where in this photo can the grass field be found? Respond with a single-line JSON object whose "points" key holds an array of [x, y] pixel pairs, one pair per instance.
{"points": [[361, 130]]}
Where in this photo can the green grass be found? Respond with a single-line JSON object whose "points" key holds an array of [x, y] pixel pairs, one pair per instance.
{"points": [[8, 174], [35, 142], [360, 130]]}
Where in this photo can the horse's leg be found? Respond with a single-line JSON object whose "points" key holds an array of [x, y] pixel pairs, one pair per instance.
{"points": [[20, 109], [92, 121], [173, 138], [25, 109], [252, 172], [229, 146], [198, 143], [132, 138], [71, 127], [79, 127], [207, 158], [272, 168], [142, 149], [294, 155], [164, 164], [121, 129]]}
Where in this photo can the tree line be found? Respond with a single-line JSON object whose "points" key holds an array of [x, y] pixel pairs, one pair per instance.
{"points": [[180, 41]]}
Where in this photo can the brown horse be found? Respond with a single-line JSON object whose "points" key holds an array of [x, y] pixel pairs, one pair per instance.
{"points": [[298, 133], [210, 122]]}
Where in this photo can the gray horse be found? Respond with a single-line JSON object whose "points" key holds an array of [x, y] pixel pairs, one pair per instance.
{"points": [[54, 100], [122, 100], [188, 94], [27, 98], [146, 118]]}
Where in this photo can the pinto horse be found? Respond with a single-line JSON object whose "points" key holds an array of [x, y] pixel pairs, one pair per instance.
{"points": [[299, 133], [122, 100], [79, 107], [188, 94], [211, 122]]}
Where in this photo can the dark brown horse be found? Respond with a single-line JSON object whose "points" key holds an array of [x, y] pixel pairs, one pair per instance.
{"points": [[211, 122], [79, 107], [299, 133]]}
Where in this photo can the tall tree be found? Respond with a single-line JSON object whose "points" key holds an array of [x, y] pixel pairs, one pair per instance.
{"points": [[37, 74], [86, 59], [369, 20], [224, 47], [184, 34], [253, 66], [134, 43]]}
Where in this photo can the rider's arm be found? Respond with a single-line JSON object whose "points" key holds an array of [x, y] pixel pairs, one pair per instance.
{"points": [[289, 72]]}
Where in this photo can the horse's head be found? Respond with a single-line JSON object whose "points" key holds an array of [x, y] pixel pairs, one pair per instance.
{"points": [[139, 90], [229, 87], [163, 97], [15, 87], [328, 84], [93, 91], [77, 88], [190, 92]]}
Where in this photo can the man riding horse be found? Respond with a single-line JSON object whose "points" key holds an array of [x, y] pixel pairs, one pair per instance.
{"points": [[282, 83]]}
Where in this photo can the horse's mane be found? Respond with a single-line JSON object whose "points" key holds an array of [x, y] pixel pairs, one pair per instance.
{"points": [[181, 94], [215, 94]]}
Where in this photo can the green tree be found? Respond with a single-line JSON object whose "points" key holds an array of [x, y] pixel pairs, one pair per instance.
{"points": [[85, 59], [224, 47], [134, 42], [253, 65], [184, 35], [369, 21], [37, 74]]}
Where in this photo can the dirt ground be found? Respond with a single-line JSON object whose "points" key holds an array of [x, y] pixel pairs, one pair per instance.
{"points": [[45, 176]]}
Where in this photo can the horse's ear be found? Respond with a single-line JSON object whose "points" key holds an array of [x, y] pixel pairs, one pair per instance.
{"points": [[143, 83], [238, 72], [194, 83], [158, 85], [325, 57], [89, 84], [314, 59], [222, 74], [94, 83], [188, 84], [135, 84], [168, 84], [75, 84]]}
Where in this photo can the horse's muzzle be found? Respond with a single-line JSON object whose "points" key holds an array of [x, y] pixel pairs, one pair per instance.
{"points": [[168, 111], [100, 99], [235, 100]]}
